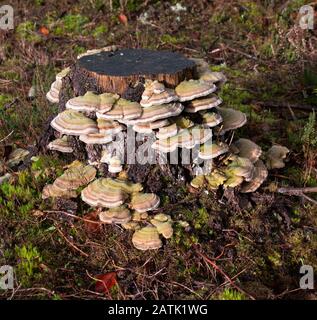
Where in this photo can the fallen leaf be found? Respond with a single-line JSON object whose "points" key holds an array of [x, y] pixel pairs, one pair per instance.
{"points": [[91, 227], [106, 282], [44, 31], [123, 19]]}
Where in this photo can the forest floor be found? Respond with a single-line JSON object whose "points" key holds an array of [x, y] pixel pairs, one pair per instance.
{"points": [[237, 246]]}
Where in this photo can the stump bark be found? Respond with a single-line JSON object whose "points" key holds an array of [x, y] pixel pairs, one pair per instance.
{"points": [[124, 71]]}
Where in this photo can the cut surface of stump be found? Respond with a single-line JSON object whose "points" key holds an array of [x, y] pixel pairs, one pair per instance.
{"points": [[124, 70]]}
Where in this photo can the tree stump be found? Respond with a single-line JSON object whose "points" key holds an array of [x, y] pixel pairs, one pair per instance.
{"points": [[124, 71]]}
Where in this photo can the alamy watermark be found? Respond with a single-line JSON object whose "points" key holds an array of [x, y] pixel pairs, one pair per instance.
{"points": [[306, 19], [6, 17], [307, 280], [6, 277]]}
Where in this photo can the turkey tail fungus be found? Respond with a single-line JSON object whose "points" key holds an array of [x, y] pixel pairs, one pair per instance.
{"points": [[171, 104]]}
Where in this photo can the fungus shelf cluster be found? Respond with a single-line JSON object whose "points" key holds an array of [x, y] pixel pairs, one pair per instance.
{"points": [[180, 112]]}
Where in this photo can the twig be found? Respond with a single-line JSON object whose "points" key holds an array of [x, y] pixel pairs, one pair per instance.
{"points": [[291, 112], [309, 199], [71, 244], [5, 138], [297, 191], [98, 280], [270, 104], [213, 264], [243, 53], [73, 216], [287, 292], [190, 290]]}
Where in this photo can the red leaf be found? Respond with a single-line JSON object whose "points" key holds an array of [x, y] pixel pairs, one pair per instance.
{"points": [[44, 31], [106, 282], [92, 227], [123, 19]]}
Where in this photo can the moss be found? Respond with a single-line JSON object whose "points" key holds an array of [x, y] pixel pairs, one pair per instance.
{"points": [[27, 31], [266, 50], [71, 23], [183, 239], [290, 55], [99, 31], [275, 259], [129, 5], [296, 215], [11, 75], [169, 39], [219, 18], [27, 268], [230, 294], [4, 99], [250, 14], [79, 49], [201, 218], [20, 197], [232, 97], [39, 2]]}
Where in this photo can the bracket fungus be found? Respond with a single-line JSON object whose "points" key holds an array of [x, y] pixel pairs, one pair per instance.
{"points": [[259, 176], [192, 89], [74, 177], [163, 224], [53, 94], [108, 193], [275, 157], [152, 87], [61, 145], [213, 77], [215, 179], [114, 165], [72, 122], [91, 102], [177, 104], [203, 104], [51, 191], [186, 138], [95, 138], [205, 74], [119, 215], [240, 167], [167, 132], [155, 113], [159, 98], [231, 119], [109, 127], [210, 119], [142, 202], [211, 150], [150, 126], [147, 238], [122, 110], [248, 149]]}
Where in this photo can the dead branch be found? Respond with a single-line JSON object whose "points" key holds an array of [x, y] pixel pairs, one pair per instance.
{"points": [[271, 104], [213, 264], [71, 244], [299, 192]]}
